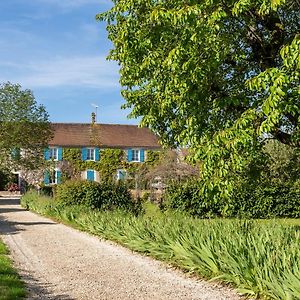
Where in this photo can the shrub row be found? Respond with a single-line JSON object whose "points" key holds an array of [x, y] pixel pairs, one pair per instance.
{"points": [[249, 201]]}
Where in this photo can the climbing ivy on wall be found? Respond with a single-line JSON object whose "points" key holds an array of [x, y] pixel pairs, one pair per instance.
{"points": [[110, 161]]}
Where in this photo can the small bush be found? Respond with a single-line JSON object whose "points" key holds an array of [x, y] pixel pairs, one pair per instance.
{"points": [[94, 195]]}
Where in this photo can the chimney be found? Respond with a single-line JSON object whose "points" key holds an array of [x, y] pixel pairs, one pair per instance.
{"points": [[93, 118]]}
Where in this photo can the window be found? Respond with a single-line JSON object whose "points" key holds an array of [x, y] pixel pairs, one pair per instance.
{"points": [[52, 177], [90, 154], [53, 153], [121, 174], [135, 155]]}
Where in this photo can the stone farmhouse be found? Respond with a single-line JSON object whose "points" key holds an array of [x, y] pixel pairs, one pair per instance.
{"points": [[91, 139]]}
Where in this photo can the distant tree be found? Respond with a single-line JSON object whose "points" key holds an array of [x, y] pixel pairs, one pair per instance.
{"points": [[217, 76], [24, 128]]}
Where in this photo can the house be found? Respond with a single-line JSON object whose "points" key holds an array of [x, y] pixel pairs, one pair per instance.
{"points": [[92, 139]]}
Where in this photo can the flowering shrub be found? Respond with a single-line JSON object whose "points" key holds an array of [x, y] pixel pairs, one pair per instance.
{"points": [[12, 187]]}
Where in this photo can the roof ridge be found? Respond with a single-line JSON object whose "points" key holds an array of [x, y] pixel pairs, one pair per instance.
{"points": [[65, 123]]}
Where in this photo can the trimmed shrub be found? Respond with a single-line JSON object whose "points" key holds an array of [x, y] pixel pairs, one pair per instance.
{"points": [[94, 195], [266, 201], [187, 197], [249, 201]]}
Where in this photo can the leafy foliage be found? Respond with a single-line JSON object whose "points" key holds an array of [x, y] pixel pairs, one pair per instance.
{"points": [[24, 128], [94, 195], [217, 76], [250, 200]]}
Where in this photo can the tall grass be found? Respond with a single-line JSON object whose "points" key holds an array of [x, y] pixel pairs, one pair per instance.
{"points": [[259, 258], [11, 286]]}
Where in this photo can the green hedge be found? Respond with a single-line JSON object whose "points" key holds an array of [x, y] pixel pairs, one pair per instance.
{"points": [[249, 201], [187, 197], [266, 201], [94, 195]]}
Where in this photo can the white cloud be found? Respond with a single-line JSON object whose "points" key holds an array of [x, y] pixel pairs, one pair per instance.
{"points": [[94, 72]]}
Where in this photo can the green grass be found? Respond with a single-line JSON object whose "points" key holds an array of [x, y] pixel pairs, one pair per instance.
{"points": [[259, 257], [11, 286]]}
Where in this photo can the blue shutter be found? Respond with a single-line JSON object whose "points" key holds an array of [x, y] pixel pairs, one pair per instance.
{"points": [[59, 154], [47, 154], [129, 155], [84, 154], [58, 176], [16, 154], [46, 177], [90, 175], [97, 154], [142, 155]]}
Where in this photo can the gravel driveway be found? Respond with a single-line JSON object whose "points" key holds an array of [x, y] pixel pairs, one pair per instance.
{"points": [[58, 262]]}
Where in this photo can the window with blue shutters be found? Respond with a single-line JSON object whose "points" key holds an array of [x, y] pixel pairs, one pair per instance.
{"points": [[53, 153], [90, 154], [52, 177], [136, 155]]}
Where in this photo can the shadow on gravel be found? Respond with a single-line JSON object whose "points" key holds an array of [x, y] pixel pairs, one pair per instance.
{"points": [[10, 205], [7, 227], [41, 291]]}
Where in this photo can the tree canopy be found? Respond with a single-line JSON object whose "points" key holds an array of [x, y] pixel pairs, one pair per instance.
{"points": [[219, 77], [24, 128]]}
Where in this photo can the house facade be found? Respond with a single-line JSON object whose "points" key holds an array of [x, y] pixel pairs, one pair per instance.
{"points": [[91, 141]]}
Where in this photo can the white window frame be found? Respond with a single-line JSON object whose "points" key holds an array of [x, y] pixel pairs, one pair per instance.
{"points": [[55, 177], [53, 150], [138, 155], [93, 150]]}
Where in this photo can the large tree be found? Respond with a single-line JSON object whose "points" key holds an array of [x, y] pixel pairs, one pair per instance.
{"points": [[24, 128], [217, 76]]}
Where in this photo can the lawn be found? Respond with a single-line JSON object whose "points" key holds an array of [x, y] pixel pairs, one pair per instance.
{"points": [[11, 286]]}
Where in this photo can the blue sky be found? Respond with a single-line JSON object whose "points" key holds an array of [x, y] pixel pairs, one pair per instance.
{"points": [[58, 50]]}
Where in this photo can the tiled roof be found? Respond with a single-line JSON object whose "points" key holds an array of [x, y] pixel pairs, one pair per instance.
{"points": [[102, 135]]}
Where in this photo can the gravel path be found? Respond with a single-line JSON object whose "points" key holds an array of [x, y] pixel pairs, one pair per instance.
{"points": [[58, 262]]}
